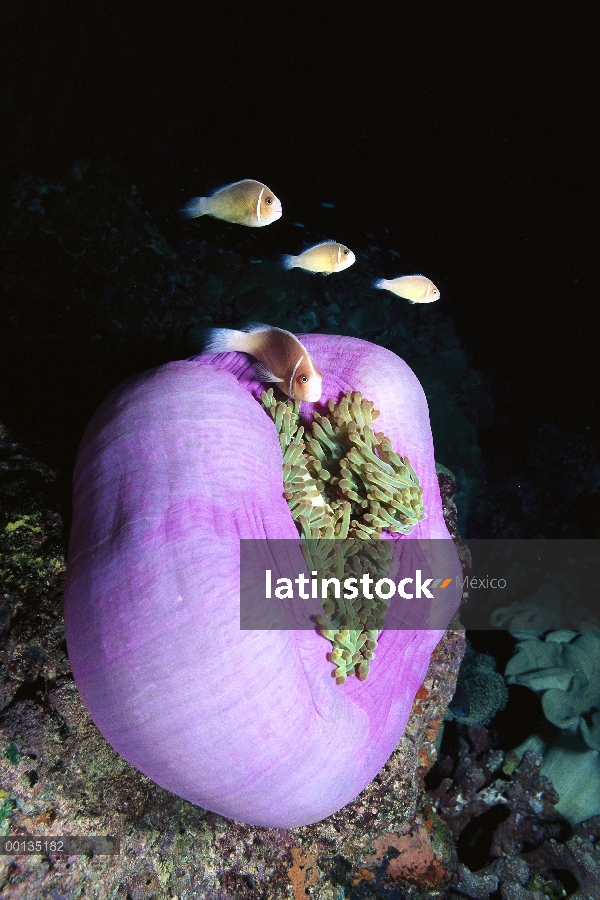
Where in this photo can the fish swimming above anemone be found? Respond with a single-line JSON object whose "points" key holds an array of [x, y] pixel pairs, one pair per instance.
{"points": [[281, 357], [325, 258], [179, 465], [414, 288], [245, 202]]}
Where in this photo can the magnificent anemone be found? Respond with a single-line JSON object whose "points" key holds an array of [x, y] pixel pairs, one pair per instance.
{"points": [[176, 466]]}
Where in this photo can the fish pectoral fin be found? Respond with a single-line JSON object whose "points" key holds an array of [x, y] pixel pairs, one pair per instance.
{"points": [[263, 373]]}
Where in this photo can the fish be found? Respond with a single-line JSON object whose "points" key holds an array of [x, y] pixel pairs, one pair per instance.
{"points": [[244, 202], [414, 288], [281, 358], [326, 257]]}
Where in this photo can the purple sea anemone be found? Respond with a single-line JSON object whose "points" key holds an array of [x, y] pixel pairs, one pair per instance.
{"points": [[176, 466]]}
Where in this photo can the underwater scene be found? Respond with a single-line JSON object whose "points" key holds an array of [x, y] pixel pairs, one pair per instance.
{"points": [[299, 457]]}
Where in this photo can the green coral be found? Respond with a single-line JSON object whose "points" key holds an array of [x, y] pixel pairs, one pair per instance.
{"points": [[345, 486], [483, 685], [563, 669]]}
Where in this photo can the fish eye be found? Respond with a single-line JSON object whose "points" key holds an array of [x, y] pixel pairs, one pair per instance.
{"points": [[269, 200], [303, 379], [345, 253]]}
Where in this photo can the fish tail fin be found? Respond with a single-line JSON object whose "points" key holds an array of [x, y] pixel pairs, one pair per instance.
{"points": [[193, 208], [379, 283], [223, 340], [287, 261]]}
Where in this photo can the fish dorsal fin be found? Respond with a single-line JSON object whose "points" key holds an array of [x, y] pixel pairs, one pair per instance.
{"points": [[326, 241], [232, 184], [253, 327], [319, 244], [210, 192]]}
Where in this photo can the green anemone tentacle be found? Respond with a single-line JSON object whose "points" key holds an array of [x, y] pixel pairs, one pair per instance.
{"points": [[343, 482]]}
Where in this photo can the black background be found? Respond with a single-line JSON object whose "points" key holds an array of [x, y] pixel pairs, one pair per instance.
{"points": [[468, 130]]}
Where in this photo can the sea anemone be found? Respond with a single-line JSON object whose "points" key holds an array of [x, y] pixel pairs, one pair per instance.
{"points": [[177, 465]]}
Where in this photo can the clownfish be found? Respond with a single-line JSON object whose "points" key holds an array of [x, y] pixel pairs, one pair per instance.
{"points": [[327, 257], [414, 288], [245, 202], [281, 357]]}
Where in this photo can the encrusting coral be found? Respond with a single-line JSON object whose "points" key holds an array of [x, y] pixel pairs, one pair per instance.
{"points": [[343, 481], [512, 840], [481, 778]]}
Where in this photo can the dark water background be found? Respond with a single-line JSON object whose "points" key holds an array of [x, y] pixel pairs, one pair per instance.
{"points": [[467, 131]]}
